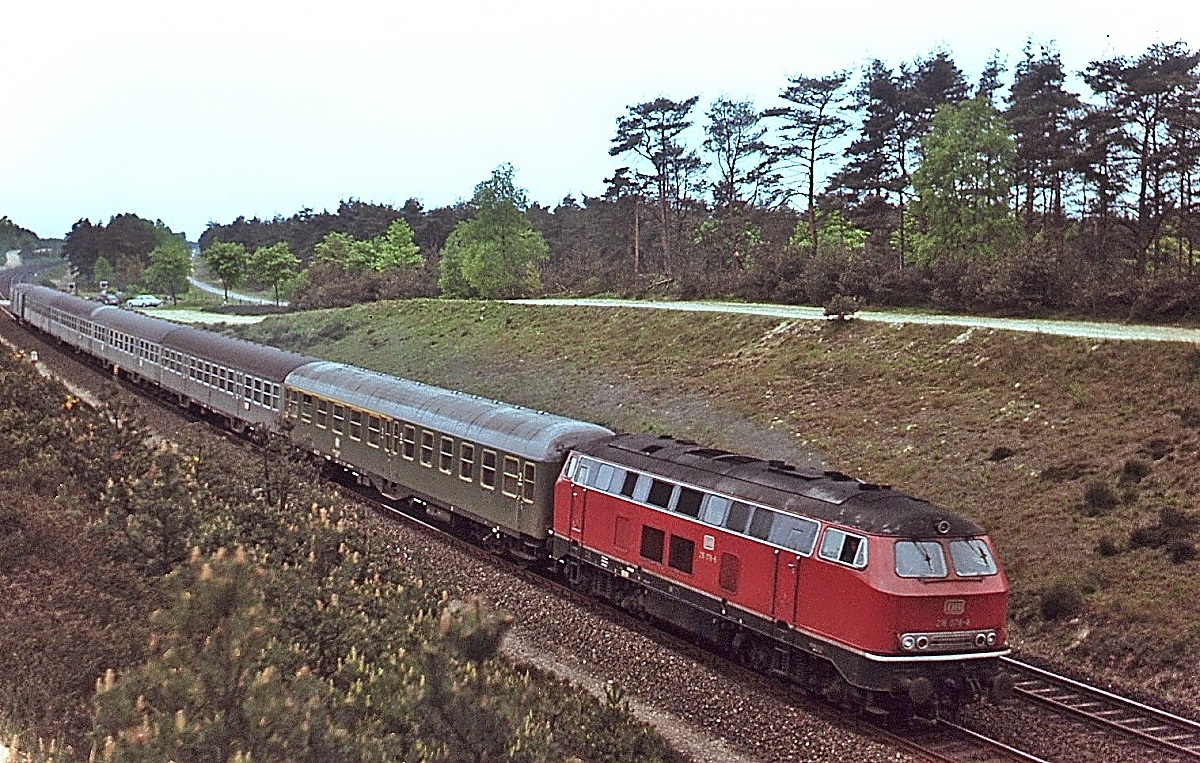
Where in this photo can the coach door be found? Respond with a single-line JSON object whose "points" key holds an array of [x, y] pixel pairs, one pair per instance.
{"points": [[787, 582]]}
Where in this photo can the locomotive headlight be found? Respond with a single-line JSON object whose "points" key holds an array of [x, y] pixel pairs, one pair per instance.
{"points": [[908, 642], [980, 639], [922, 642], [991, 638]]}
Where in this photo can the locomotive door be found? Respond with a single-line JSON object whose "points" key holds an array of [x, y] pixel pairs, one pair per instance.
{"points": [[787, 584], [578, 506]]}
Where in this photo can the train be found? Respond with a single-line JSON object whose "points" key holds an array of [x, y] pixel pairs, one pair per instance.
{"points": [[864, 594]]}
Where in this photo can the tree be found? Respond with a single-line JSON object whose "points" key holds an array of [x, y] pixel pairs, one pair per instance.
{"points": [[170, 266], [228, 262], [963, 186], [395, 248], [273, 266], [102, 270], [496, 254], [652, 130], [811, 125]]}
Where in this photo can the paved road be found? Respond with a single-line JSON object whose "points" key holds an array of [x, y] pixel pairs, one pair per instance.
{"points": [[1084, 329], [233, 296]]}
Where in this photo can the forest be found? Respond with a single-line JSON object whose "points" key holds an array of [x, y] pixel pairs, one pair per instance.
{"points": [[1036, 190]]}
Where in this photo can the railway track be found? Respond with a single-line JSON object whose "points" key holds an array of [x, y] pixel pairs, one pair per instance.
{"points": [[1173, 734], [948, 742]]}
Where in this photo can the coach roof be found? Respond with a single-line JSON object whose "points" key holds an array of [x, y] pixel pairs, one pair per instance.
{"points": [[520, 431], [270, 363]]}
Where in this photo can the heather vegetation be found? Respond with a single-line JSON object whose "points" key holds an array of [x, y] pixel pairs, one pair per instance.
{"points": [[176, 601]]}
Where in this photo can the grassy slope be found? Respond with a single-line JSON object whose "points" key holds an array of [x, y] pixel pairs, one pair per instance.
{"points": [[924, 408]]}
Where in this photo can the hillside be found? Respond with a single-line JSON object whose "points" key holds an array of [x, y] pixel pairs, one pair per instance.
{"points": [[1081, 456]]}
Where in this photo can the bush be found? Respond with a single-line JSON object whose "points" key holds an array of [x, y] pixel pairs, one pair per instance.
{"points": [[1000, 452], [1061, 601], [1099, 498], [1107, 547], [1182, 551], [1134, 471]]}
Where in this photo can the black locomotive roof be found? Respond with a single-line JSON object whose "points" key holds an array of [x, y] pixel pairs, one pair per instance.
{"points": [[826, 495], [536, 435]]}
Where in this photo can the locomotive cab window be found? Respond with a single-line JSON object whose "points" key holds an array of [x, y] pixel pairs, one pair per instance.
{"points": [[796, 533], [629, 483], [714, 511], [920, 559], [972, 558], [760, 524], [738, 517], [603, 477], [660, 493], [688, 501], [844, 548]]}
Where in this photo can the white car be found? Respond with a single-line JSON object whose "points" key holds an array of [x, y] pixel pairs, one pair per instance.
{"points": [[143, 300]]}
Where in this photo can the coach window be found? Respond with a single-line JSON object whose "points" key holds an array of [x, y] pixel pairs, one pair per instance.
{"points": [[730, 573], [410, 442], [426, 448], [920, 559], [844, 548], [512, 475], [393, 436], [714, 511], [528, 480], [660, 494], [306, 408], [487, 470], [652, 543], [689, 501], [374, 429], [322, 413], [356, 418], [446, 456], [466, 461], [293, 404], [339, 418], [738, 517], [258, 391], [681, 553]]}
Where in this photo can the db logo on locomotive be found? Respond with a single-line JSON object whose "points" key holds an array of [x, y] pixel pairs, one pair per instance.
{"points": [[955, 606]]}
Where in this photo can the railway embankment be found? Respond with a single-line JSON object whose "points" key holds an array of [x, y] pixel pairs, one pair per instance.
{"points": [[1081, 455]]}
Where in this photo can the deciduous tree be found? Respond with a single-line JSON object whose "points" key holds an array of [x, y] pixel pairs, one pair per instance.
{"points": [[273, 266], [227, 261]]}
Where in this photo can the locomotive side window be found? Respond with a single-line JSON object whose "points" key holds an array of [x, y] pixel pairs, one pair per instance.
{"points": [[629, 484], [426, 448], [760, 525], [689, 501], [739, 515], [512, 475], [487, 470], [587, 467], [730, 573], [652, 543], [446, 456], [660, 494], [796, 533], [356, 418], [714, 510], [920, 559], [339, 419], [466, 461], [604, 477], [682, 551], [528, 481], [844, 548], [569, 469], [972, 558], [374, 429], [410, 442]]}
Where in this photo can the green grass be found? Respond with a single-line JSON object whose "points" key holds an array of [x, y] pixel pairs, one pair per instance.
{"points": [[920, 407]]}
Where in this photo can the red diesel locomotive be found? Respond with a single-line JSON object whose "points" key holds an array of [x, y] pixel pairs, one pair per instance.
{"points": [[865, 594]]}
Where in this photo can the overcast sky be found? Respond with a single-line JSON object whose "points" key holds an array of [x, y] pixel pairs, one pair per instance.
{"points": [[208, 110]]}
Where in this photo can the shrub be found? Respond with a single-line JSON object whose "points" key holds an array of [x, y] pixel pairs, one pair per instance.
{"points": [[1176, 521], [1000, 452], [1134, 471], [1107, 547], [1158, 449], [1099, 498], [1149, 536], [1182, 551], [1060, 601]]}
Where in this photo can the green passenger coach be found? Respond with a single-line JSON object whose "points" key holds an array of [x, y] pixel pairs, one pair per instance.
{"points": [[453, 453]]}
